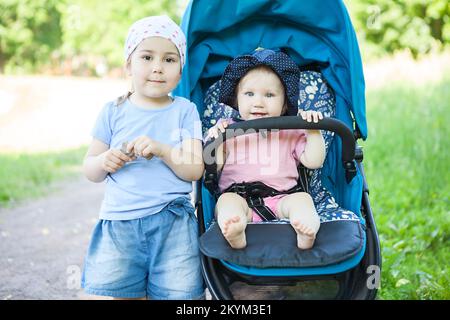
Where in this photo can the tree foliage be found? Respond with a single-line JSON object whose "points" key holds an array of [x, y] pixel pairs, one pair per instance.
{"points": [[86, 33], [99, 28], [36, 32], [390, 25], [29, 31]]}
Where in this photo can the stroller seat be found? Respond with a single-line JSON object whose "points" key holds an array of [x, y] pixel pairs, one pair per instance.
{"points": [[335, 243], [341, 237]]}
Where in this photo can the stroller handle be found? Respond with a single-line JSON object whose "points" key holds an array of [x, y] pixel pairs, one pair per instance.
{"points": [[284, 122]]}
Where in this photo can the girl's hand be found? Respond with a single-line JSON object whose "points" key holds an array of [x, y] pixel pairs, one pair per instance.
{"points": [[221, 125], [114, 159], [145, 147], [310, 115]]}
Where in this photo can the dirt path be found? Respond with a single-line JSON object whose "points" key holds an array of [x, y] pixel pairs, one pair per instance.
{"points": [[34, 108], [43, 243]]}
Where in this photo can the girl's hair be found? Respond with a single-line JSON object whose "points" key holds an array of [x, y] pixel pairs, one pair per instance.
{"points": [[266, 69], [120, 100]]}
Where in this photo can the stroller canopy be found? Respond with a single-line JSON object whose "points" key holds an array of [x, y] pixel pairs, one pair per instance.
{"points": [[317, 31]]}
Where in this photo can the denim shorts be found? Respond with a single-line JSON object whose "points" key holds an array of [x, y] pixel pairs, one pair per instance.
{"points": [[156, 256]]}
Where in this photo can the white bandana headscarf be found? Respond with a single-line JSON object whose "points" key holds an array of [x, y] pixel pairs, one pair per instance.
{"points": [[156, 26]]}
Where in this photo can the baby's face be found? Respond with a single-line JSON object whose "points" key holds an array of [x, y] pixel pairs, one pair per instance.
{"points": [[260, 94]]}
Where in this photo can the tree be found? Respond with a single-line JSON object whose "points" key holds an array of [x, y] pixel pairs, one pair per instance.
{"points": [[29, 31], [98, 28], [33, 33], [418, 25]]}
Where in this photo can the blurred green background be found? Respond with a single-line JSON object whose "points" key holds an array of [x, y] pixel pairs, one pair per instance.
{"points": [[53, 52], [75, 37], [70, 37]]}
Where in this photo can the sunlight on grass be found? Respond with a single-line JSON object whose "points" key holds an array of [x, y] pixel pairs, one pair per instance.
{"points": [[29, 175], [407, 166]]}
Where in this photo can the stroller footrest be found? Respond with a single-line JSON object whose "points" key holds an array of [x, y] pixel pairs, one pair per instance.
{"points": [[275, 245]]}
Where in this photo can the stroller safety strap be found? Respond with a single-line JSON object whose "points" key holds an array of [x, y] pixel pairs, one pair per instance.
{"points": [[255, 192]]}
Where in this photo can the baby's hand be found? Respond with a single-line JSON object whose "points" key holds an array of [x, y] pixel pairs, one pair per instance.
{"points": [[221, 125], [114, 159], [144, 146], [311, 115]]}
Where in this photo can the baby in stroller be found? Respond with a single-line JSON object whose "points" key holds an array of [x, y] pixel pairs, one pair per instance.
{"points": [[265, 84]]}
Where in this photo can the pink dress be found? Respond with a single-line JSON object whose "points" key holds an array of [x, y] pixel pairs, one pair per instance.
{"points": [[272, 160]]}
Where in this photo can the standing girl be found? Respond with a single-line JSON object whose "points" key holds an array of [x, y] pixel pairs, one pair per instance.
{"points": [[147, 145]]}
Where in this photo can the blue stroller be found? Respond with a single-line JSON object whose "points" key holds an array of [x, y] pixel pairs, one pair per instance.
{"points": [[345, 262]]}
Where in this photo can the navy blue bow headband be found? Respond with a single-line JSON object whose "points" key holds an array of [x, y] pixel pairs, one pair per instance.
{"points": [[279, 62]]}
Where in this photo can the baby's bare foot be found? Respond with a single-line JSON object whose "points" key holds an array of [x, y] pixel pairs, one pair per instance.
{"points": [[234, 232], [305, 235]]}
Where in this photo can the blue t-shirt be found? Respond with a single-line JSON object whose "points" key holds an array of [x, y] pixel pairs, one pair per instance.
{"points": [[143, 187]]}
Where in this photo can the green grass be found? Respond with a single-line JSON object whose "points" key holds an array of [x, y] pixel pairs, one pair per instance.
{"points": [[25, 176], [407, 168]]}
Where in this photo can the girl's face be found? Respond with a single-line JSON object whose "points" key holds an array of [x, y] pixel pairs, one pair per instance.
{"points": [[260, 94], [155, 68]]}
